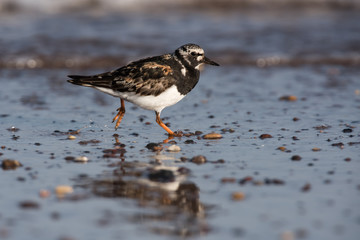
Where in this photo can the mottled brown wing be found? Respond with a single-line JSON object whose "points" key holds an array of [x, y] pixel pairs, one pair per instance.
{"points": [[149, 76]]}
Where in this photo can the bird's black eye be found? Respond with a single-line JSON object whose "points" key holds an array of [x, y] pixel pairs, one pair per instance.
{"points": [[193, 53]]}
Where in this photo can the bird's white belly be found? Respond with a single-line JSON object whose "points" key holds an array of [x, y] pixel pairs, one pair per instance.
{"points": [[157, 103]]}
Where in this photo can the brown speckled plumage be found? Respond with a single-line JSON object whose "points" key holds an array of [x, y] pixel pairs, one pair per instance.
{"points": [[151, 76]]}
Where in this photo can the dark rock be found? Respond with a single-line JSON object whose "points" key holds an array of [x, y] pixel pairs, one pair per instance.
{"points": [[154, 147], [9, 164], [200, 159], [29, 205], [263, 136], [296, 158], [347, 130]]}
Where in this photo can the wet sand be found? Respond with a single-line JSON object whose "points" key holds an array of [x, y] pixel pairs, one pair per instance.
{"points": [[285, 101]]}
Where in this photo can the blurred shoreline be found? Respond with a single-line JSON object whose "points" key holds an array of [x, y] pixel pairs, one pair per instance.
{"points": [[106, 6], [90, 34]]}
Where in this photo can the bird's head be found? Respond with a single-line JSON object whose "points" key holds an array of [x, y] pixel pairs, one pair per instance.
{"points": [[194, 55]]}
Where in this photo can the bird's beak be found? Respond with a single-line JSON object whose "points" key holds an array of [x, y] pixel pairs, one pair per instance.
{"points": [[211, 62]]}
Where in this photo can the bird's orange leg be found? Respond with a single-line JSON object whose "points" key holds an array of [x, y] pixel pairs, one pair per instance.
{"points": [[119, 116], [158, 120]]}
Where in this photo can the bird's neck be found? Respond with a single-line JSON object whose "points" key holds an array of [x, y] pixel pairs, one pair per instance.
{"points": [[189, 75]]}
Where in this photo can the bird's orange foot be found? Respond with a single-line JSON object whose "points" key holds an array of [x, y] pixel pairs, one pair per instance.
{"points": [[177, 134], [119, 116], [171, 136]]}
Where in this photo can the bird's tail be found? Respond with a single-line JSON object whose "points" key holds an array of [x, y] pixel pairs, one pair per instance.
{"points": [[89, 81]]}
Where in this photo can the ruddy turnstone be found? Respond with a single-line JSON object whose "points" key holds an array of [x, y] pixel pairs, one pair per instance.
{"points": [[152, 83]]}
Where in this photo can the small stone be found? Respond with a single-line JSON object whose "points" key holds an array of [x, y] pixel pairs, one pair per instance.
{"points": [[92, 142], [63, 190], [212, 136], [228, 180], [13, 129], [277, 181], [245, 180], [221, 161], [295, 119], [154, 146], [287, 235], [189, 141], [71, 137], [296, 158], [315, 149], [263, 136], [184, 159], [69, 158], [200, 159], [44, 193], [81, 159], [9, 164], [340, 145], [29, 205], [322, 127], [306, 187], [347, 159], [347, 130], [289, 98], [173, 148], [281, 148], [237, 196]]}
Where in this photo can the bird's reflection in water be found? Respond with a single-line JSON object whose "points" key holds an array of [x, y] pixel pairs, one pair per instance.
{"points": [[178, 210]]}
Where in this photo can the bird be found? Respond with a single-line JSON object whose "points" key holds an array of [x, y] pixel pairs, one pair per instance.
{"points": [[152, 83]]}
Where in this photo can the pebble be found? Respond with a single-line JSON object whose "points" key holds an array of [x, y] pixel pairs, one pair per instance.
{"points": [[9, 164], [287, 235], [347, 130], [339, 144], [173, 148], [212, 136], [281, 148], [296, 158], [29, 205], [69, 158], [92, 142], [228, 180], [237, 196], [263, 136], [81, 159], [245, 180], [289, 98], [62, 190], [200, 159], [315, 149], [71, 137], [306, 187], [154, 146], [44, 193]]}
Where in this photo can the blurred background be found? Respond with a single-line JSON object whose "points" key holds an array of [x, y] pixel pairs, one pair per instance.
{"points": [[289, 70], [105, 34]]}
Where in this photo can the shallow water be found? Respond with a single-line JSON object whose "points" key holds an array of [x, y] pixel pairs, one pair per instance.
{"points": [[125, 190]]}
